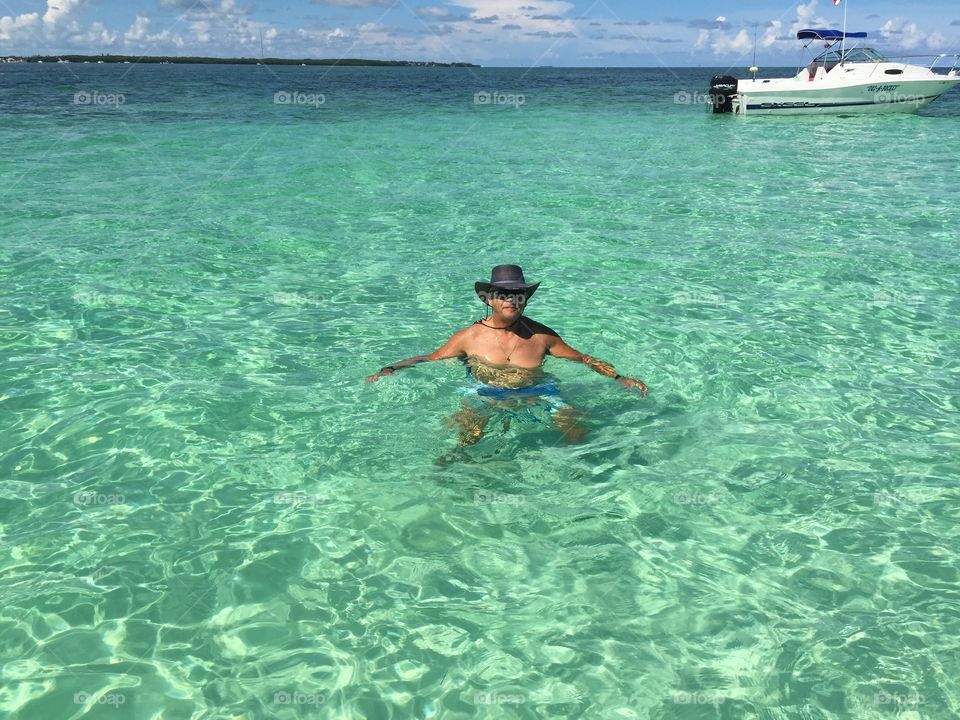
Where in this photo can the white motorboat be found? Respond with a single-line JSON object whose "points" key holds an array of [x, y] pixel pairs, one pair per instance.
{"points": [[839, 80]]}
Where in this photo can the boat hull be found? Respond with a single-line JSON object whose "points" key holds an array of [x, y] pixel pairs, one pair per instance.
{"points": [[754, 97]]}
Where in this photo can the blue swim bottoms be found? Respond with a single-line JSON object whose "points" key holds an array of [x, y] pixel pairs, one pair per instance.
{"points": [[545, 395], [500, 393]]}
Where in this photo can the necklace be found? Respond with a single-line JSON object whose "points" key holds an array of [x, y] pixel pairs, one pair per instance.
{"points": [[497, 337], [505, 327], [508, 354]]}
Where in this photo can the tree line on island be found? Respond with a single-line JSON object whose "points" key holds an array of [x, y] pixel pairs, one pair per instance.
{"points": [[229, 61]]}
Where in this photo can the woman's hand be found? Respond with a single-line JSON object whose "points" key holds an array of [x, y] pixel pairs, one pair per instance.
{"points": [[630, 384]]}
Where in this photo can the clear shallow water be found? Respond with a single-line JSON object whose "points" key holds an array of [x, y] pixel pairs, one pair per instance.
{"points": [[203, 505]]}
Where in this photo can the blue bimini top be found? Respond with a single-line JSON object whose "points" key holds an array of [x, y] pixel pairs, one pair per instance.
{"points": [[811, 34]]}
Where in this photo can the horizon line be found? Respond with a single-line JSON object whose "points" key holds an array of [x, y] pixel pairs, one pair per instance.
{"points": [[110, 58]]}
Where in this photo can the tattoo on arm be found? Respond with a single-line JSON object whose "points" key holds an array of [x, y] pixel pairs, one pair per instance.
{"points": [[600, 366]]}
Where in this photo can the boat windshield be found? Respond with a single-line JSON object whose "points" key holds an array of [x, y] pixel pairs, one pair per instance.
{"points": [[832, 56], [868, 55]]}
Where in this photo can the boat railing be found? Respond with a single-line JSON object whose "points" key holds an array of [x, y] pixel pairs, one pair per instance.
{"points": [[936, 58]]}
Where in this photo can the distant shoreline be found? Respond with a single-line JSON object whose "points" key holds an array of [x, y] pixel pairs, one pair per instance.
{"points": [[194, 60]]}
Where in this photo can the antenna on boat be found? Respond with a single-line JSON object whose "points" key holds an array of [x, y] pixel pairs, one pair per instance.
{"points": [[753, 66], [844, 36]]}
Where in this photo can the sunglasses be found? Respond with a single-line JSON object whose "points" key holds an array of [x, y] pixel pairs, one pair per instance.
{"points": [[518, 296]]}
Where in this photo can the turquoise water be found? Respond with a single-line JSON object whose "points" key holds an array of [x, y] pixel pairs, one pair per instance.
{"points": [[207, 513]]}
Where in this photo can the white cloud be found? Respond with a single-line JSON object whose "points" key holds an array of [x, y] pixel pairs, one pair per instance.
{"points": [[905, 35], [226, 24], [201, 30], [739, 43], [897, 34], [138, 34], [540, 23], [57, 10], [805, 17], [742, 41], [138, 30], [21, 25], [466, 30], [436, 12], [772, 34], [356, 3], [515, 9], [97, 35]]}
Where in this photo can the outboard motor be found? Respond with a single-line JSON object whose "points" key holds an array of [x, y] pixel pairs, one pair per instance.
{"points": [[722, 90]]}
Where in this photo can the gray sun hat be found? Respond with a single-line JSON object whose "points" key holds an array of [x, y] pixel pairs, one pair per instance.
{"points": [[505, 277]]}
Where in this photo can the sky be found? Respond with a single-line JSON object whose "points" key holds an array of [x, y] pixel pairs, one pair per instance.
{"points": [[579, 33]]}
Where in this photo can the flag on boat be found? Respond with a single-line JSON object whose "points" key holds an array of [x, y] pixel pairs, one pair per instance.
{"points": [[836, 2]]}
